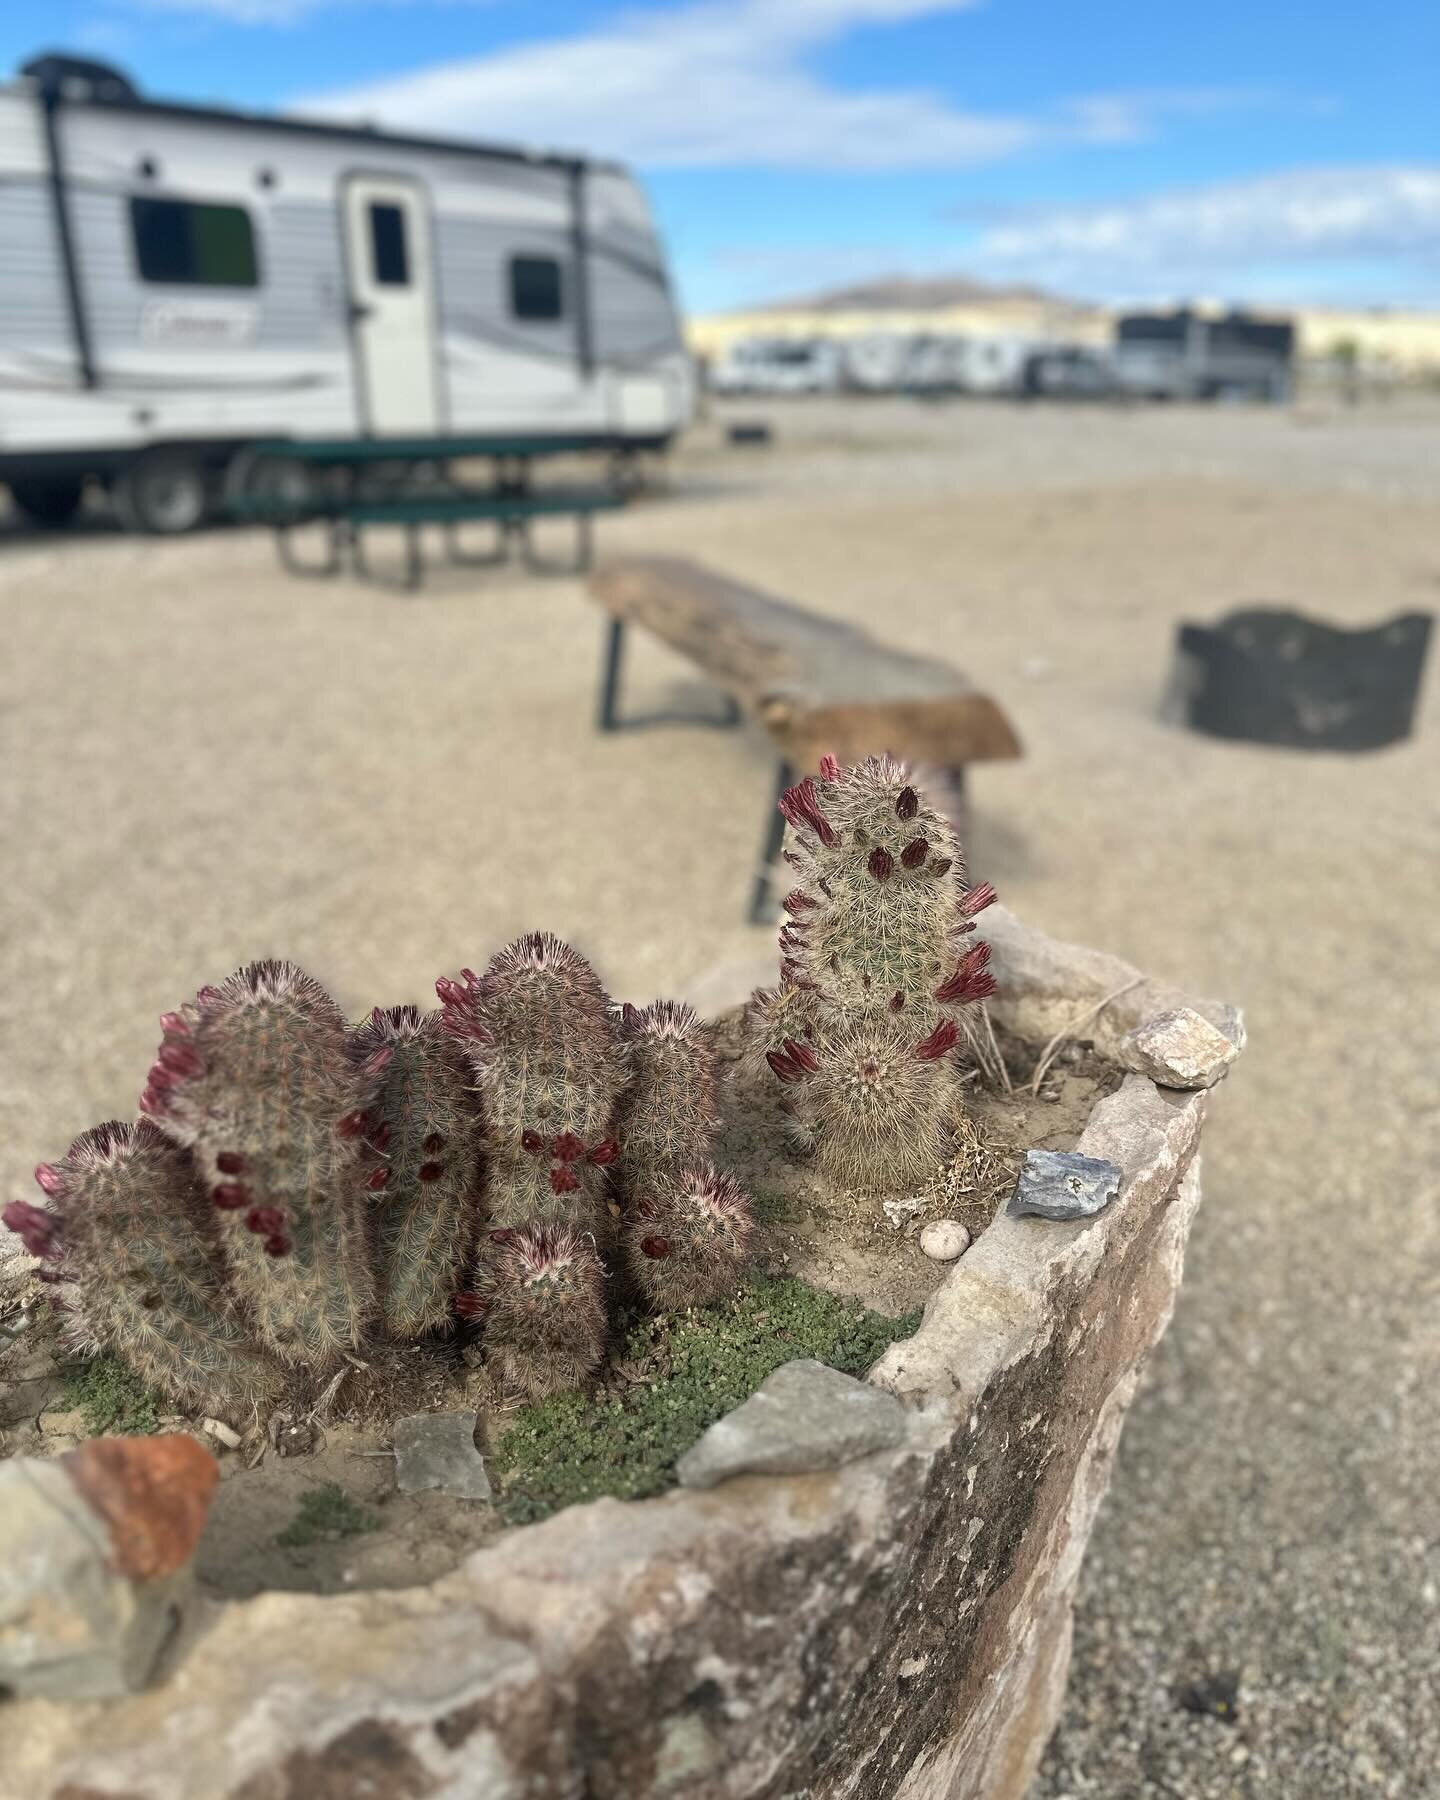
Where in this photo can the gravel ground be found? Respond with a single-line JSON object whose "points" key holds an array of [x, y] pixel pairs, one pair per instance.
{"points": [[203, 760]]}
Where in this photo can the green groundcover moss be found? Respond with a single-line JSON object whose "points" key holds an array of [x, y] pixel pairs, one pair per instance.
{"points": [[112, 1400], [326, 1512], [685, 1372]]}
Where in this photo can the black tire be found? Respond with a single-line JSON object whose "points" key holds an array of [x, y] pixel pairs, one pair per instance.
{"points": [[164, 493], [49, 503]]}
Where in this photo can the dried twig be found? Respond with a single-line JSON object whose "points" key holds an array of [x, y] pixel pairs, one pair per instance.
{"points": [[1047, 1055]]}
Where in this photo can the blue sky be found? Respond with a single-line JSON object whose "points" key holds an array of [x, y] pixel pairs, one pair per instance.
{"points": [[1240, 149]]}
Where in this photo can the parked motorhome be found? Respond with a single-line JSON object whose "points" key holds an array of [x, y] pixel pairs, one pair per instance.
{"points": [[178, 281], [777, 366], [1187, 355]]}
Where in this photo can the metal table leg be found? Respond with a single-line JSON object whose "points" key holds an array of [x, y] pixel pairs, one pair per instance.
{"points": [[760, 907]]}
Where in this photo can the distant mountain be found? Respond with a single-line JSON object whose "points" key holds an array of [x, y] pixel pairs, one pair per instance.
{"points": [[901, 293]]}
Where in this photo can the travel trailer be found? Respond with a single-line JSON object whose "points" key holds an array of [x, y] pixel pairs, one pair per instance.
{"points": [[180, 281], [1188, 355]]}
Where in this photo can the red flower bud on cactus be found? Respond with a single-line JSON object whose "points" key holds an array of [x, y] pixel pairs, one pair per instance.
{"points": [[629, 1015], [976, 899], [209, 996], [352, 1124], [567, 1148], [970, 980], [230, 1162], [798, 903], [180, 1059], [942, 867], [230, 1196], [379, 1138], [829, 768], [277, 1244], [784, 1066], [175, 1024], [471, 1306], [907, 803], [881, 864], [152, 1103], [470, 978], [377, 1179], [603, 1153], [379, 1060], [802, 1054], [431, 1171], [897, 1001], [50, 1180], [502, 1234], [940, 1042], [161, 1079], [656, 1248], [451, 993], [914, 853], [434, 1143], [532, 1143], [37, 1229], [801, 807], [265, 1221], [563, 1179]]}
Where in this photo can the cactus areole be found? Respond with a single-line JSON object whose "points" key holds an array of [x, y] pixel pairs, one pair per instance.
{"points": [[877, 963]]}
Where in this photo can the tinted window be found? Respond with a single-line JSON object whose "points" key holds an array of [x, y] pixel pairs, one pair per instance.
{"points": [[535, 291], [388, 256], [206, 246]]}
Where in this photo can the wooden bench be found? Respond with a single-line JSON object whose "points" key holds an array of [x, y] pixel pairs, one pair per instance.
{"points": [[816, 684]]}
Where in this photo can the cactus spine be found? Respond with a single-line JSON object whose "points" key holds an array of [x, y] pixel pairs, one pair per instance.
{"points": [[426, 1126], [256, 1081], [132, 1231], [875, 964]]}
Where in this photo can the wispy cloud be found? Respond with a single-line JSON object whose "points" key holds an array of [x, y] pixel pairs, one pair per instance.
{"points": [[1198, 237], [274, 12], [730, 83]]}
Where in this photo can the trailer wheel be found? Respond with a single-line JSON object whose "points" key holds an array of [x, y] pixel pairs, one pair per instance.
{"points": [[49, 503], [163, 492]]}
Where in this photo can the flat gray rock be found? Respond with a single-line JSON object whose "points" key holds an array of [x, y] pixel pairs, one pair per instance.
{"points": [[1060, 1184], [803, 1418], [437, 1450], [1178, 1049]]}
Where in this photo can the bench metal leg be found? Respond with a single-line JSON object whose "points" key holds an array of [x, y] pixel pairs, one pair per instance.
{"points": [[761, 910], [607, 718], [414, 561], [607, 713], [584, 549]]}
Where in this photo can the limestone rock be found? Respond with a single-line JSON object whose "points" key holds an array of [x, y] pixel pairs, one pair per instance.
{"points": [[804, 1417], [96, 1564], [1060, 1184], [437, 1450], [1178, 1049], [944, 1239]]}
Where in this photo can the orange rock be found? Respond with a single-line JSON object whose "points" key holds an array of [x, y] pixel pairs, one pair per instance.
{"points": [[153, 1494]]}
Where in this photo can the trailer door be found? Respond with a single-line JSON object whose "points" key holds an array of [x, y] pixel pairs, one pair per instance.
{"points": [[392, 304]]}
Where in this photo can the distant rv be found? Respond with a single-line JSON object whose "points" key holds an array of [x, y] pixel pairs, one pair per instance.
{"points": [[1187, 355], [178, 281]]}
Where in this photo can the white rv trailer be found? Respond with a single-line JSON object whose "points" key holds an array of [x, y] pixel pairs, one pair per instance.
{"points": [[178, 281]]}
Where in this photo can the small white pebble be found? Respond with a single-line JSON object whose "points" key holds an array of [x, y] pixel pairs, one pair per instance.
{"points": [[944, 1239], [221, 1433]]}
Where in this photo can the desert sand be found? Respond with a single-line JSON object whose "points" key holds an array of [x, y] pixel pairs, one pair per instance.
{"points": [[204, 760]]}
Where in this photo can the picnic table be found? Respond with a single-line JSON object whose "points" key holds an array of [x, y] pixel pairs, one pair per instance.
{"points": [[347, 484], [817, 685]]}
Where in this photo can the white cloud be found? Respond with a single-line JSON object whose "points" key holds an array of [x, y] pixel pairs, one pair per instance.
{"points": [[1188, 238], [725, 83], [272, 12]]}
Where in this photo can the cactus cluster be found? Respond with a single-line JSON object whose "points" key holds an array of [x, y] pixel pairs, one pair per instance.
{"points": [[876, 963], [295, 1186]]}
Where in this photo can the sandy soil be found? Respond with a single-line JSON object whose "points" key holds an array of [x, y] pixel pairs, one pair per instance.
{"points": [[202, 761]]}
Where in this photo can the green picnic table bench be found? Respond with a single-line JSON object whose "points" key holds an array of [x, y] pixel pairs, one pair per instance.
{"points": [[349, 484]]}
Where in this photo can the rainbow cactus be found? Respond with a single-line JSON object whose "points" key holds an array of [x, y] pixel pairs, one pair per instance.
{"points": [[876, 964], [686, 1228], [295, 1186], [426, 1125], [130, 1236]]}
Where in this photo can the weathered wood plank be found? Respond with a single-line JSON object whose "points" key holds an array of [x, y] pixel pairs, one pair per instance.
{"points": [[816, 683]]}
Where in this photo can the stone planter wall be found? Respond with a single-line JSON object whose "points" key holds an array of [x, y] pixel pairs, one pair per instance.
{"points": [[898, 1627]]}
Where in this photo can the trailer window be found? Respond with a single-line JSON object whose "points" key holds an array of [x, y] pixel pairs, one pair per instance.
{"points": [[535, 288], [388, 256], [181, 243]]}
